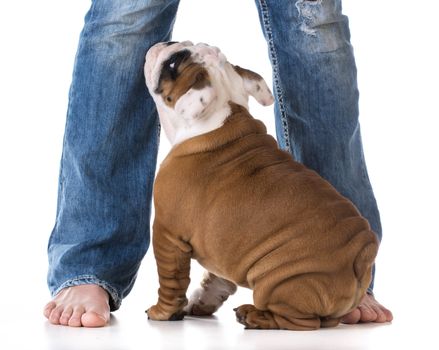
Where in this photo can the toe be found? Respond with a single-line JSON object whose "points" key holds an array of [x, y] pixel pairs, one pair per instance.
{"points": [[367, 314], [381, 317], [93, 319], [388, 314], [352, 317], [384, 314], [75, 319], [48, 309], [66, 315], [56, 314]]}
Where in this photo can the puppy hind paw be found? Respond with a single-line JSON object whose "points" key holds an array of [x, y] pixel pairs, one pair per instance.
{"points": [[200, 309], [252, 318]]}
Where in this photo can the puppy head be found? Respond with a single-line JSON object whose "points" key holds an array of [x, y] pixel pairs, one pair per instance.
{"points": [[192, 86]]}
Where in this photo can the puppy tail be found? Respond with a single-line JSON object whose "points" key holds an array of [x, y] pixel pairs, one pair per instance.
{"points": [[365, 259]]}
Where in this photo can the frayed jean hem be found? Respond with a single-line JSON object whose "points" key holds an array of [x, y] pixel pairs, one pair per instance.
{"points": [[115, 300]]}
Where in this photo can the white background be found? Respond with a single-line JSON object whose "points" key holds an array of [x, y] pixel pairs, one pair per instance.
{"points": [[396, 47]]}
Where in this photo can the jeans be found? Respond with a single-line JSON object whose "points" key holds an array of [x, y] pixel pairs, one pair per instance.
{"points": [[111, 136]]}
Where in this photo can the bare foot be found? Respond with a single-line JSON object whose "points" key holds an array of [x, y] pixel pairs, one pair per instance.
{"points": [[84, 305], [369, 310]]}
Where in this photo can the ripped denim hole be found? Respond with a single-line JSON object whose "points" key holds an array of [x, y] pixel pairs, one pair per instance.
{"points": [[307, 10]]}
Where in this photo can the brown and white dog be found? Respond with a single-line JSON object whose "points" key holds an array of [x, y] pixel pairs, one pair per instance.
{"points": [[227, 196]]}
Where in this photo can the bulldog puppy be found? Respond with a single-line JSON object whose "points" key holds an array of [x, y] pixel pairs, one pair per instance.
{"points": [[227, 196]]}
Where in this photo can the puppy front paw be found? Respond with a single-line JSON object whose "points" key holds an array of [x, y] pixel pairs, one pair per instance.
{"points": [[157, 313]]}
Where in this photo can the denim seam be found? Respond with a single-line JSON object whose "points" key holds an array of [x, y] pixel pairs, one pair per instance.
{"points": [[72, 91], [274, 61], [115, 299]]}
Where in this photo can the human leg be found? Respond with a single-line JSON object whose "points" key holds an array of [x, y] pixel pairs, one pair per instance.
{"points": [[315, 86], [109, 153], [316, 94]]}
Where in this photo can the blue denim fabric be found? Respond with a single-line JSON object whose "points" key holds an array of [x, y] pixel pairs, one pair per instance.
{"points": [[110, 148], [111, 137], [315, 86]]}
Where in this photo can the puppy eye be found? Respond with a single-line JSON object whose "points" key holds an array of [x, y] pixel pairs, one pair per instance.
{"points": [[170, 66], [169, 98]]}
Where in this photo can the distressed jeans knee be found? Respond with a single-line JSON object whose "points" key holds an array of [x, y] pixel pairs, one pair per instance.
{"points": [[323, 23]]}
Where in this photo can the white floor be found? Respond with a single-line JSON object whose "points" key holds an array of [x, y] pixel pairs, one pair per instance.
{"points": [[22, 325], [398, 75], [132, 331]]}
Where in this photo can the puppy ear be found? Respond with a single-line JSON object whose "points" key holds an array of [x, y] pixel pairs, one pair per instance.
{"points": [[255, 86]]}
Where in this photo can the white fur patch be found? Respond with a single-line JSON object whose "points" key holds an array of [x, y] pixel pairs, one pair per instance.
{"points": [[194, 103], [210, 296]]}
